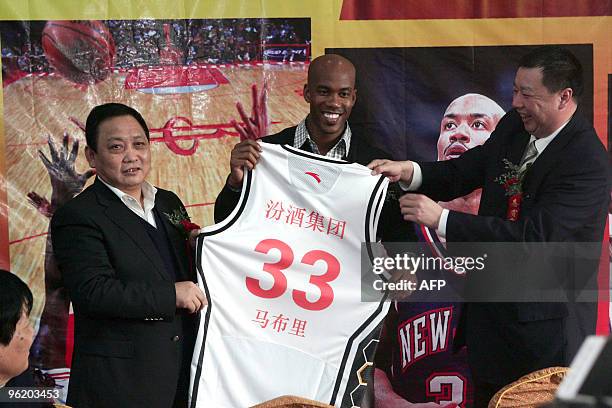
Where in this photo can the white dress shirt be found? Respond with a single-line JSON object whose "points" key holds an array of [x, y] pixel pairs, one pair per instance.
{"points": [[148, 195]]}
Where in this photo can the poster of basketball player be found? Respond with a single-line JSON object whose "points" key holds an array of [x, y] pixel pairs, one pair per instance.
{"points": [[445, 101], [184, 76], [422, 82]]}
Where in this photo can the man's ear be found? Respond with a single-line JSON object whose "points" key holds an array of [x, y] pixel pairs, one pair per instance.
{"points": [[306, 93], [91, 157], [565, 97]]}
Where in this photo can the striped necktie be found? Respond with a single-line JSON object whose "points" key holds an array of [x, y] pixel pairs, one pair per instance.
{"points": [[530, 155]]}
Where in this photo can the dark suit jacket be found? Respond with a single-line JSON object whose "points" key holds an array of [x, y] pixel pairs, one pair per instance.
{"points": [[565, 199], [130, 343], [391, 226]]}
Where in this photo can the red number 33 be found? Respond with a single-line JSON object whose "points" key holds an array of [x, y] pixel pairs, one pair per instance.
{"points": [[280, 280]]}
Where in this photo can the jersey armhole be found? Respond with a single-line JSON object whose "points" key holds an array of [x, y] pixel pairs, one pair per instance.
{"points": [[375, 205]]}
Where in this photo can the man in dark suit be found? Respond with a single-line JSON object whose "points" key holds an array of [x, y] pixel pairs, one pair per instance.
{"points": [[330, 92], [564, 193], [124, 261]]}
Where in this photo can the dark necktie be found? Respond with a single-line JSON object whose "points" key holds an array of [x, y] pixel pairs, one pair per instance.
{"points": [[530, 155]]}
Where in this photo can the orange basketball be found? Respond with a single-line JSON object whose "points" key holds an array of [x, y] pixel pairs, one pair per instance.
{"points": [[80, 51]]}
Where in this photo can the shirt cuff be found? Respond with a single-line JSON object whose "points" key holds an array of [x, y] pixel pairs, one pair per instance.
{"points": [[234, 189], [441, 230], [417, 179]]}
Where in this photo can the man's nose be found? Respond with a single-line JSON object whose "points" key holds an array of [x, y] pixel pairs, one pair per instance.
{"points": [[462, 134], [130, 155], [334, 100], [517, 101]]}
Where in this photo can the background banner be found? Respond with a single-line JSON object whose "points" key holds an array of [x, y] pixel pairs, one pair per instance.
{"points": [[184, 65]]}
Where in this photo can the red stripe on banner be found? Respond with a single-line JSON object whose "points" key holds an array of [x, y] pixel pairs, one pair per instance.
{"points": [[198, 205], [470, 9], [27, 238], [12, 75], [603, 286], [218, 76], [69, 340], [174, 76]]}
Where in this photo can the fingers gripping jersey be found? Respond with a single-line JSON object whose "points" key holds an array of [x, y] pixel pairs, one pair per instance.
{"points": [[282, 275]]}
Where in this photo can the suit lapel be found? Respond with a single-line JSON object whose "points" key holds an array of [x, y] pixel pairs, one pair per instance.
{"points": [[354, 150], [494, 201], [548, 157], [517, 146], [126, 220]]}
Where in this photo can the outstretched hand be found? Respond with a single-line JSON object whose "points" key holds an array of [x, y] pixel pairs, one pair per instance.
{"points": [[255, 126], [65, 181]]}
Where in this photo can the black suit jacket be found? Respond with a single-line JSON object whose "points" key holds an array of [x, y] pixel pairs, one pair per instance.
{"points": [[565, 199], [391, 226], [130, 343]]}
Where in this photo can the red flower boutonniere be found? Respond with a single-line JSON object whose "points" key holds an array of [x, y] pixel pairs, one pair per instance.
{"points": [[182, 222], [512, 181]]}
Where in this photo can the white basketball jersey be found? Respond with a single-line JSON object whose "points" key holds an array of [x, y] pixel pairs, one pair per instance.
{"points": [[283, 277]]}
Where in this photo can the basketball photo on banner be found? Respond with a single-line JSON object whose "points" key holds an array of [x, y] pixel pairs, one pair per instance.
{"points": [[423, 81], [185, 76], [80, 51]]}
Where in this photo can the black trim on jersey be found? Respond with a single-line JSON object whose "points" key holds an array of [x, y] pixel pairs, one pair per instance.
{"points": [[353, 381], [311, 155], [200, 242], [377, 208], [379, 204], [380, 307], [196, 382], [248, 177], [348, 348]]}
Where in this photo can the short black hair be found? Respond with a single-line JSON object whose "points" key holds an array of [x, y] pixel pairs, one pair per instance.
{"points": [[15, 297], [560, 68], [109, 110]]}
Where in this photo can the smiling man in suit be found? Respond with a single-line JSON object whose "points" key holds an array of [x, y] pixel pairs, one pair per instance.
{"points": [[124, 261], [564, 199]]}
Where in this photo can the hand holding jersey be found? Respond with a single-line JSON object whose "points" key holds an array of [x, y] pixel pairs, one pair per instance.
{"points": [[244, 155], [189, 297], [420, 209], [393, 170], [415, 207]]}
